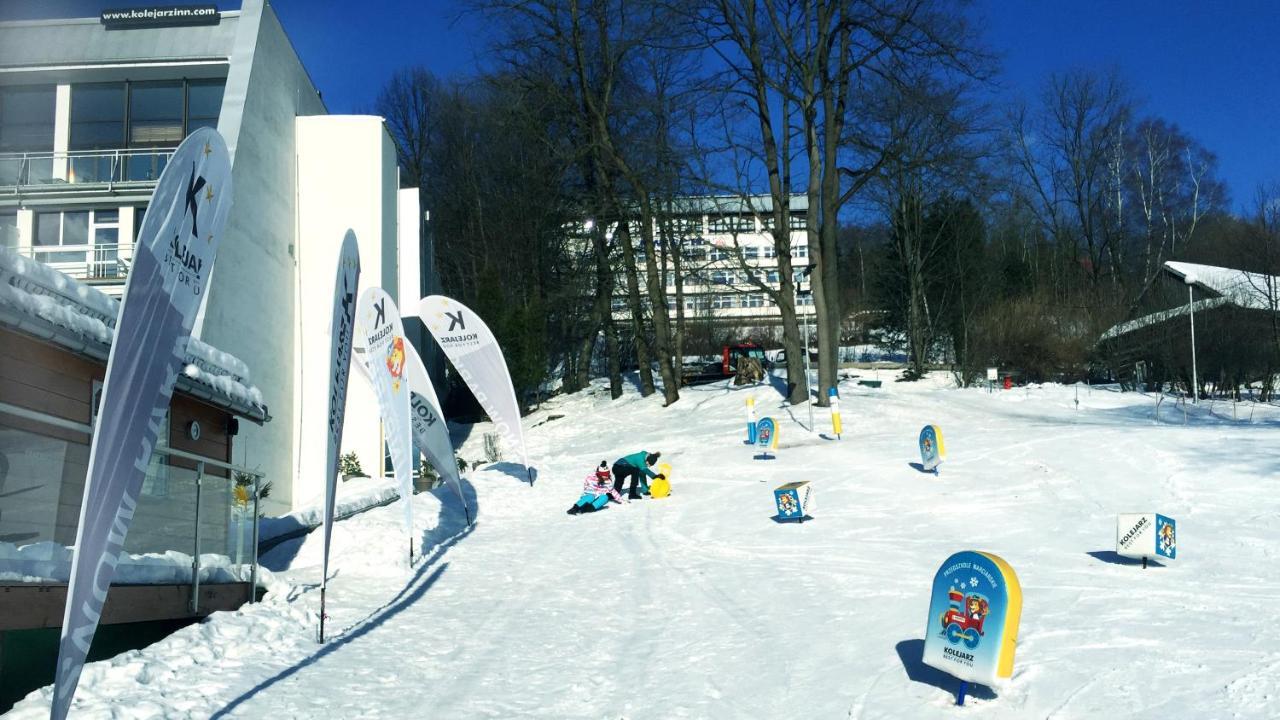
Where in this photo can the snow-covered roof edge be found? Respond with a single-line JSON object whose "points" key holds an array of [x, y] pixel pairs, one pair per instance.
{"points": [[1253, 291], [48, 304], [1248, 290]]}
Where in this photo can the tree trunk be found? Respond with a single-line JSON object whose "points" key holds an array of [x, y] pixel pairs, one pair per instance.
{"points": [[658, 305], [637, 308]]}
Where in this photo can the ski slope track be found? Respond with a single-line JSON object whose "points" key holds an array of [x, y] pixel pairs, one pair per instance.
{"points": [[700, 605]]}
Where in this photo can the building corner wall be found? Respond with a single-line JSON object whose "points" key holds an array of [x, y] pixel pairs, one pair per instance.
{"points": [[344, 183], [252, 304]]}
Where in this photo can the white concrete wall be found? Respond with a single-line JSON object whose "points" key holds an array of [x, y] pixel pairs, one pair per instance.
{"points": [[410, 268], [346, 179], [253, 296]]}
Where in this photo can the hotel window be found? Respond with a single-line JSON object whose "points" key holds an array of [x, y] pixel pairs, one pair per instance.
{"points": [[732, 223], [9, 230], [152, 114], [718, 254], [56, 230], [797, 222], [26, 125], [768, 251], [97, 123], [687, 226], [724, 302], [155, 121], [753, 300], [773, 276], [751, 252], [88, 238], [105, 231], [97, 116], [799, 251], [204, 102]]}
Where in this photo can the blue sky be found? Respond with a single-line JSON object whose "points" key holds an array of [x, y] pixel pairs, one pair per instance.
{"points": [[1212, 68]]}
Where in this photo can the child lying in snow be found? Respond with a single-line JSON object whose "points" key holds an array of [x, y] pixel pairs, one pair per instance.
{"points": [[597, 489]]}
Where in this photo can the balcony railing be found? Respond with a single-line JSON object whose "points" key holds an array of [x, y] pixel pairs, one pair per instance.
{"points": [[101, 263], [51, 170]]}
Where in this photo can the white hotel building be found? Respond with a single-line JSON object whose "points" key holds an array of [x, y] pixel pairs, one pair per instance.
{"points": [[90, 114], [727, 248]]}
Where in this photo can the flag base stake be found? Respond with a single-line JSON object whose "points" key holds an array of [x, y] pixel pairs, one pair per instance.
{"points": [[321, 638], [964, 687]]}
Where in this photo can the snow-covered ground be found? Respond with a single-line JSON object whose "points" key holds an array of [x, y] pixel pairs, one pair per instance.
{"points": [[700, 605]]}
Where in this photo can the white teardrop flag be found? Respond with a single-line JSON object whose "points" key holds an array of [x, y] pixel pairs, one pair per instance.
{"points": [[429, 428], [380, 332], [341, 327], [474, 352], [170, 273]]}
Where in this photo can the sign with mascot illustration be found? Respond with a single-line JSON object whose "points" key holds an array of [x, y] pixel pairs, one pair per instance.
{"points": [[973, 618], [1146, 535], [932, 449]]}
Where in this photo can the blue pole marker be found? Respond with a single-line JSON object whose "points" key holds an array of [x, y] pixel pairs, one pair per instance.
{"points": [[751, 421]]}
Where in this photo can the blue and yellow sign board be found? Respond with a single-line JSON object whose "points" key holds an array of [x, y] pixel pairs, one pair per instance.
{"points": [[973, 618], [932, 450], [767, 434], [794, 500]]}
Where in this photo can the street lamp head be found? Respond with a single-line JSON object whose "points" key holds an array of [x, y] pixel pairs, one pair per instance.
{"points": [[1190, 279]]}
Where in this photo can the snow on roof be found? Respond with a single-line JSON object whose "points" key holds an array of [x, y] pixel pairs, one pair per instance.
{"points": [[1252, 291], [34, 290]]}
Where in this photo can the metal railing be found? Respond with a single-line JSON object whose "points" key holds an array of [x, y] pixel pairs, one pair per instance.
{"points": [[176, 505], [98, 262], [52, 170]]}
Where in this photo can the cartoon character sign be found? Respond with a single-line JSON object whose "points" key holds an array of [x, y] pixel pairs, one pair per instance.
{"points": [[787, 504], [767, 433], [973, 617], [932, 449], [1166, 537], [395, 361], [794, 500]]}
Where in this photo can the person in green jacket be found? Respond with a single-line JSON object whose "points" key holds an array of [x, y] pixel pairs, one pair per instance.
{"points": [[637, 467]]}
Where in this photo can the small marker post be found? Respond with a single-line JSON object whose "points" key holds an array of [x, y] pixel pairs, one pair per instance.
{"points": [[1144, 562], [410, 551], [964, 688]]}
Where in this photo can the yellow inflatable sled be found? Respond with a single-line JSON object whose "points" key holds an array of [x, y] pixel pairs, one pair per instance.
{"points": [[661, 487]]}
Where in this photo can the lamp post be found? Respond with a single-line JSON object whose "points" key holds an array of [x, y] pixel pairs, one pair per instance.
{"points": [[800, 277], [1190, 280]]}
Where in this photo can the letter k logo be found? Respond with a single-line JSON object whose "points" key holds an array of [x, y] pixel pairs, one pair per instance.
{"points": [[455, 321], [193, 189], [381, 309]]}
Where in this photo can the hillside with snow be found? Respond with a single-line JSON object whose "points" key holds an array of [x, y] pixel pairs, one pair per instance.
{"points": [[702, 605]]}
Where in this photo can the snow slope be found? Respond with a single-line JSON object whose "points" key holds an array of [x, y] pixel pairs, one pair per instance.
{"points": [[700, 605]]}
